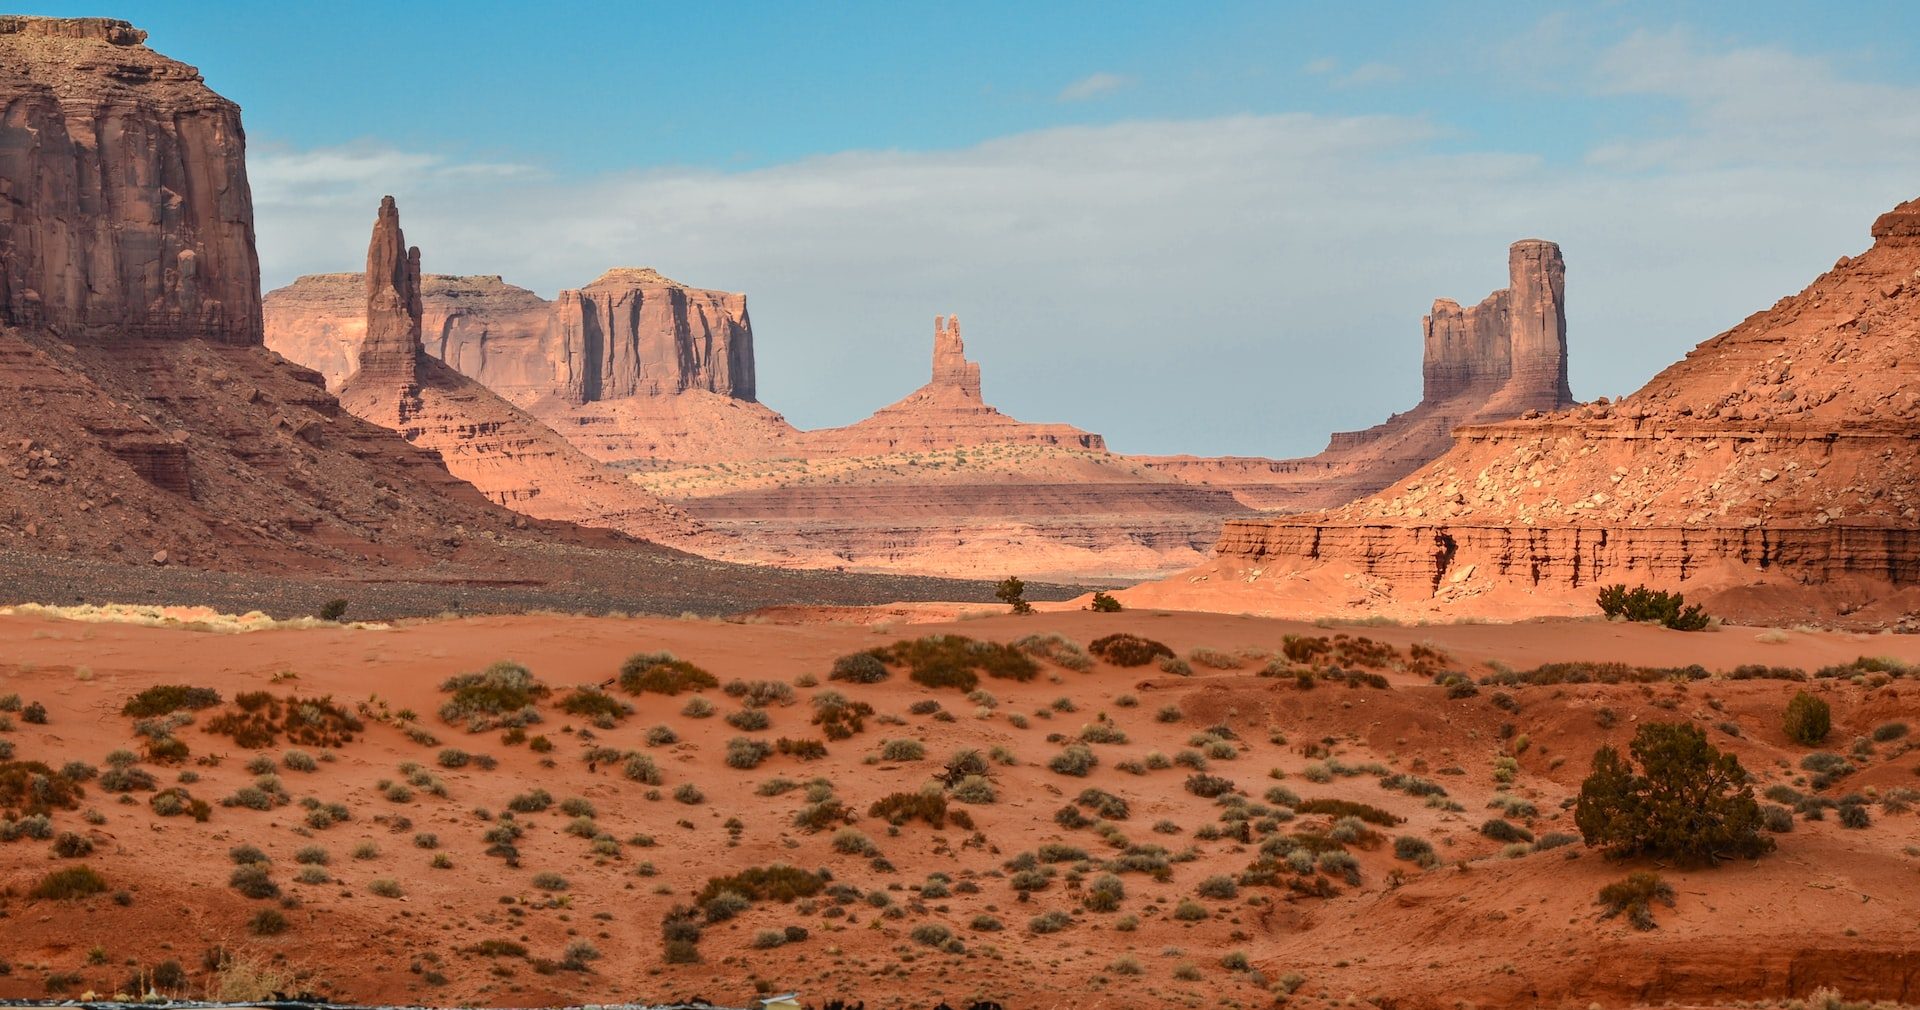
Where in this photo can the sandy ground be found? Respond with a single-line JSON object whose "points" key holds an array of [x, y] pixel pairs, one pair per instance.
{"points": [[1483, 928]]}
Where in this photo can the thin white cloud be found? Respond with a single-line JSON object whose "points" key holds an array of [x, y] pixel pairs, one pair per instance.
{"points": [[1322, 66], [1237, 284], [1370, 74], [1095, 85]]}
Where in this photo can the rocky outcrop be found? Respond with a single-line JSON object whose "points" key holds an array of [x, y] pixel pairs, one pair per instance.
{"points": [[124, 206], [633, 332], [508, 455], [947, 413], [1778, 453], [1488, 362]]}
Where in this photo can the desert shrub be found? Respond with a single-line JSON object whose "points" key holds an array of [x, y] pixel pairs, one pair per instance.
{"points": [[1502, 830], [749, 719], [839, 718], [1076, 760], [760, 693], [663, 673], [386, 887], [1635, 896], [530, 802], [743, 752], [957, 661], [976, 789], [1776, 818], [312, 855], [1057, 649], [1123, 649], [503, 694], [641, 768], [689, 794], [68, 884], [1104, 603], [697, 707], [1887, 732], [241, 855], [258, 719], [1102, 732], [163, 699], [931, 934], [549, 881], [858, 668], [1418, 851], [176, 802], [1104, 803], [1653, 606], [852, 842], [1189, 910], [31, 787], [767, 939], [453, 757], [253, 881], [1688, 801], [1854, 815], [805, 750], [127, 779], [1214, 659], [1208, 786], [595, 704], [268, 922], [902, 749], [1219, 887], [1413, 785], [1348, 808], [71, 845], [899, 808], [1050, 922], [1808, 719]]}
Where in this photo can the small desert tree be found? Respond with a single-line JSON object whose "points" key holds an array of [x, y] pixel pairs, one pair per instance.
{"points": [[1686, 801], [1012, 592], [1808, 719], [1104, 603]]}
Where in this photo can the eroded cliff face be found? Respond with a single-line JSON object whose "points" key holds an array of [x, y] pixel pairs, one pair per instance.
{"points": [[633, 332], [1501, 358], [124, 206], [508, 455], [1780, 452]]}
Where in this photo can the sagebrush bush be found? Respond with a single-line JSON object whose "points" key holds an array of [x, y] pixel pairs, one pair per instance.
{"points": [[1076, 760], [503, 694], [858, 668], [1123, 649], [902, 749], [744, 753], [68, 884], [956, 661]]}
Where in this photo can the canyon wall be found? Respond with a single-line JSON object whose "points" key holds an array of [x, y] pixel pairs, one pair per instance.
{"points": [[124, 206], [1779, 453]]}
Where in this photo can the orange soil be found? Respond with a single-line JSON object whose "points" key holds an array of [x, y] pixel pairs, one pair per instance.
{"points": [[1832, 907]]}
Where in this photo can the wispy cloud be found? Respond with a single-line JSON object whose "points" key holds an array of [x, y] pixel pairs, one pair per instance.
{"points": [[1095, 85], [1264, 267]]}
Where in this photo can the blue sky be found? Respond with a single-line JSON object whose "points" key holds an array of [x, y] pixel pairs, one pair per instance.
{"points": [[1193, 227]]}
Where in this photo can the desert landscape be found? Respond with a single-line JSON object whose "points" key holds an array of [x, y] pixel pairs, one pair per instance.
{"points": [[398, 638]]}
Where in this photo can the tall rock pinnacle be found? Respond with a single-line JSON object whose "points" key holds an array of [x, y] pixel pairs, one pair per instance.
{"points": [[391, 354], [1510, 350], [951, 369]]}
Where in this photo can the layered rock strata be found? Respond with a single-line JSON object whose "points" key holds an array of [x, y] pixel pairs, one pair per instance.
{"points": [[124, 206], [511, 457], [1781, 452]]}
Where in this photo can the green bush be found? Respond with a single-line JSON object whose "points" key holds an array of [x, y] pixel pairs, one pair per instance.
{"points": [[1012, 592], [957, 661], [503, 694], [1687, 801], [1128, 650], [1076, 760], [663, 673], [1641, 604], [859, 668], [68, 884], [1808, 719], [1348, 808], [1635, 896], [1104, 603], [166, 698], [593, 703]]}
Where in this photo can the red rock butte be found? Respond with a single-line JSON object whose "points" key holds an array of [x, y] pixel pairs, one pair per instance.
{"points": [[1774, 466], [1502, 358]]}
